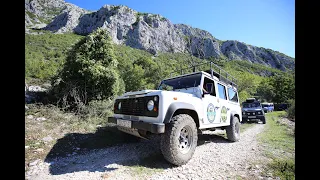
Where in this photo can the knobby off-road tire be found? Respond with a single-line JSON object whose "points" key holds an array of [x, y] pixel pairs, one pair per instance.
{"points": [[244, 120], [263, 120], [233, 130], [179, 140]]}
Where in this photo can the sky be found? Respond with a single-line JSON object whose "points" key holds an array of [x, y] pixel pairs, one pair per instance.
{"points": [[263, 23]]}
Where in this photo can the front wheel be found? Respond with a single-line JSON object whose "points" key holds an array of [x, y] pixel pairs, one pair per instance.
{"points": [[244, 120], [263, 119], [179, 140], [233, 130]]}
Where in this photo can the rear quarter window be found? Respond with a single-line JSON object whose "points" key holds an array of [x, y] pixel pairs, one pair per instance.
{"points": [[233, 96], [222, 91]]}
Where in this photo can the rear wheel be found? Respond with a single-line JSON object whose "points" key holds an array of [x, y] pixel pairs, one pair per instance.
{"points": [[179, 140], [233, 130]]}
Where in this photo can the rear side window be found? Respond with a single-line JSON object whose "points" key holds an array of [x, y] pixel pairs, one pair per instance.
{"points": [[222, 91], [232, 95]]}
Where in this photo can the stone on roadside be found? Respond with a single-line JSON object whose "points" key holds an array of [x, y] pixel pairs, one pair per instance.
{"points": [[41, 119], [47, 139], [34, 162]]}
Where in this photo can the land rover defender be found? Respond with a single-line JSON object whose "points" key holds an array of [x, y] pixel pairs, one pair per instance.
{"points": [[179, 109]]}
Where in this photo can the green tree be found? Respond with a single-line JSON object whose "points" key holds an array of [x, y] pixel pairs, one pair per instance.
{"points": [[90, 70], [284, 88], [266, 90]]}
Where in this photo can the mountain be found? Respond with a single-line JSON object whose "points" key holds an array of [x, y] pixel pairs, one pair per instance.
{"points": [[39, 13], [151, 32]]}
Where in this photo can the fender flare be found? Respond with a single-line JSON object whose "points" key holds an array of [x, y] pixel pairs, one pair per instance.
{"points": [[176, 106], [232, 114]]}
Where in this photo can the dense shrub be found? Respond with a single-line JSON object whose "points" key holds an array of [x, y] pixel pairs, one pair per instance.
{"points": [[90, 72], [277, 89], [291, 110]]}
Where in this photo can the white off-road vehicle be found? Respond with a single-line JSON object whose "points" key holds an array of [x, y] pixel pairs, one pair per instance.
{"points": [[182, 107]]}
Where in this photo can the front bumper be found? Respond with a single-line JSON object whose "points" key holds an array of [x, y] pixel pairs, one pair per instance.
{"points": [[153, 128], [253, 117]]}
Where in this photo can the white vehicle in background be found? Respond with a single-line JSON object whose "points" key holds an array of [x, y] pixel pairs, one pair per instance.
{"points": [[267, 107], [182, 107]]}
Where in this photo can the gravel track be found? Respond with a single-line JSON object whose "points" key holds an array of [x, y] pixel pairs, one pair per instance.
{"points": [[214, 158]]}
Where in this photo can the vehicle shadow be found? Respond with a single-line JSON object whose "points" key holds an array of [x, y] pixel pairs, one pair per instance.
{"points": [[208, 138], [107, 149], [103, 151]]}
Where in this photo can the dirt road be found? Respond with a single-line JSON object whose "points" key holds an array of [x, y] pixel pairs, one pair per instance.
{"points": [[215, 158]]}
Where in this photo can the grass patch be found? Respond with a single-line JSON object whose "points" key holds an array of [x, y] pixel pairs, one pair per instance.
{"points": [[279, 146], [245, 126], [149, 165], [283, 168], [138, 171], [51, 132]]}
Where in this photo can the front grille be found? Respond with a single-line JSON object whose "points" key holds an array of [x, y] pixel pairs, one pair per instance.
{"points": [[137, 106], [133, 106], [255, 113]]}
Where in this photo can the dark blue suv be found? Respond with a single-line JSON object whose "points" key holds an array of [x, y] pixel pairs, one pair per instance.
{"points": [[252, 110]]}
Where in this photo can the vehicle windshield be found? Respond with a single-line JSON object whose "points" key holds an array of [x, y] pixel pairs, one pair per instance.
{"points": [[180, 82], [251, 105], [266, 105]]}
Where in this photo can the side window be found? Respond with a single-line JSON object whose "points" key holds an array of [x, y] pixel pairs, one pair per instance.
{"points": [[222, 91], [207, 83], [232, 95]]}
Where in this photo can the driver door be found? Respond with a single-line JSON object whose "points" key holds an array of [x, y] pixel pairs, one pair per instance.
{"points": [[210, 102]]}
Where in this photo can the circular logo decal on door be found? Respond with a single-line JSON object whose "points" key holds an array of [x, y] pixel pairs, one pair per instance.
{"points": [[211, 113], [223, 114]]}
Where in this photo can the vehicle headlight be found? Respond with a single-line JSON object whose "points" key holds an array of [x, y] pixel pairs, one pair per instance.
{"points": [[243, 113], [150, 105], [253, 113], [119, 106], [259, 112]]}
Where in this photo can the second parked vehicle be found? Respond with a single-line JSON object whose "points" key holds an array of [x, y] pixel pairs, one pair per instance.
{"points": [[252, 110]]}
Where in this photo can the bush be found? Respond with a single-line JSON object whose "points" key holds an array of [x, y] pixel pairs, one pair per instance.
{"points": [[89, 72], [291, 110], [99, 109]]}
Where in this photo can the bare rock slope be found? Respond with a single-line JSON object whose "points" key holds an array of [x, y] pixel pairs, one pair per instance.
{"points": [[151, 32]]}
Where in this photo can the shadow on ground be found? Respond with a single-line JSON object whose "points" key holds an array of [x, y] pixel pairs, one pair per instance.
{"points": [[108, 148], [215, 138]]}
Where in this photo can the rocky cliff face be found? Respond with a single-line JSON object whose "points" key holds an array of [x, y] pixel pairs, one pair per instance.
{"points": [[38, 13], [150, 32]]}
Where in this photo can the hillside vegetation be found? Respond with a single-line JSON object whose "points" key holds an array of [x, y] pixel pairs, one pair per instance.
{"points": [[87, 73], [46, 55]]}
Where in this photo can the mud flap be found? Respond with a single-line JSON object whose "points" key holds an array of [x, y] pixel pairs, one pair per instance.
{"points": [[131, 131]]}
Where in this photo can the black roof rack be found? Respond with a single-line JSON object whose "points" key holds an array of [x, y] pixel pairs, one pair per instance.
{"points": [[214, 70]]}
